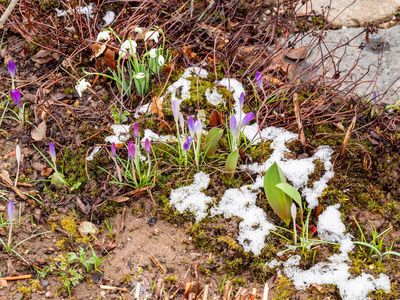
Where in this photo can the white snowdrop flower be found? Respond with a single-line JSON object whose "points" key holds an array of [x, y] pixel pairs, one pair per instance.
{"points": [[153, 53], [161, 60], [128, 46], [139, 75], [138, 30], [81, 86], [152, 35], [103, 36]]}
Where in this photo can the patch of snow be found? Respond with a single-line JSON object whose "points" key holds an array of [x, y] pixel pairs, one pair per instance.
{"points": [[214, 97], [191, 198], [236, 88], [121, 134], [255, 225], [108, 18], [331, 228], [85, 10]]}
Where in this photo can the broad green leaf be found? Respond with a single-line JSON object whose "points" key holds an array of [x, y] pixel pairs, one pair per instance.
{"points": [[292, 193], [231, 161], [212, 139], [278, 200]]}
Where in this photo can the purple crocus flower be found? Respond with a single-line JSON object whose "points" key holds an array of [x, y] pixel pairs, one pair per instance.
{"points": [[186, 145], [136, 130], [259, 80], [175, 109], [113, 150], [10, 210], [374, 99], [246, 120], [131, 150], [11, 68], [147, 146], [52, 152], [16, 96], [241, 100], [191, 125], [233, 126], [198, 128]]}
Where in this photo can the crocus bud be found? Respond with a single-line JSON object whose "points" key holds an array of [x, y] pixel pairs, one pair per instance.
{"points": [[11, 68], [374, 99], [293, 210], [198, 128], [10, 210], [241, 100], [186, 145], [16, 96], [246, 120], [52, 152], [147, 146], [175, 109], [131, 150], [259, 80], [191, 125], [18, 153], [113, 150], [233, 126], [136, 130], [181, 122]]}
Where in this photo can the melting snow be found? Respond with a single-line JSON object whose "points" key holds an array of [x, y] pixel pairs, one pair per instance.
{"points": [[121, 134], [85, 10], [108, 18]]}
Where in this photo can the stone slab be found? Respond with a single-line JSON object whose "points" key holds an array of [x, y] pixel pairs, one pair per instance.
{"points": [[352, 13], [364, 68]]}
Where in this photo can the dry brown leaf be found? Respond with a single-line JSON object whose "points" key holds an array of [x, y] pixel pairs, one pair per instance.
{"points": [[58, 96], [156, 107], [98, 49], [39, 133], [46, 172], [109, 58], [169, 68], [43, 56], [215, 118], [298, 53], [3, 283], [119, 199], [187, 51]]}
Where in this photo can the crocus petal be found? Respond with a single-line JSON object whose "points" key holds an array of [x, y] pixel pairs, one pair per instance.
{"points": [[113, 150], [186, 145], [131, 150], [198, 128], [10, 210], [191, 125], [136, 130], [246, 120], [147, 146], [233, 125], [293, 210], [52, 152], [16, 96], [11, 68], [259, 80], [175, 109], [241, 100]]}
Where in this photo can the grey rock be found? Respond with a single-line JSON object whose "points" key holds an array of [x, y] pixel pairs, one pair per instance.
{"points": [[360, 67], [351, 13]]}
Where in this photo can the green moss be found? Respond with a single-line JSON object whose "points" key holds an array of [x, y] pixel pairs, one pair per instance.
{"points": [[284, 289]]}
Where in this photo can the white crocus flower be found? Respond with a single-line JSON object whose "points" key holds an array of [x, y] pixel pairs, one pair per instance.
{"points": [[128, 46], [153, 53], [81, 86], [139, 75], [103, 36], [138, 30], [161, 60], [152, 35]]}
